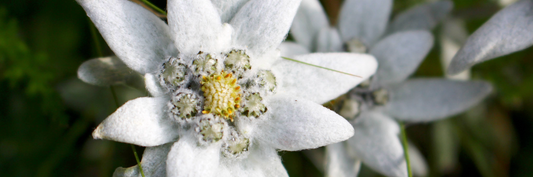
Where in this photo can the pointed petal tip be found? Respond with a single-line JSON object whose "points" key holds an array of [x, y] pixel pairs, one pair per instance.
{"points": [[348, 131], [457, 65], [97, 133], [486, 88]]}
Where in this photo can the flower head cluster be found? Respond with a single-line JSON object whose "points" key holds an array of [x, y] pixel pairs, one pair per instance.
{"points": [[222, 99], [374, 107], [212, 90]]}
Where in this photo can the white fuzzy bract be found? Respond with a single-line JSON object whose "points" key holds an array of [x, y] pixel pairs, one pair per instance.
{"points": [[223, 99]]}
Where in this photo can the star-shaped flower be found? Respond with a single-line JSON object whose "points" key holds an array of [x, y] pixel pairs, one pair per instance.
{"points": [[508, 31], [373, 109], [223, 99]]}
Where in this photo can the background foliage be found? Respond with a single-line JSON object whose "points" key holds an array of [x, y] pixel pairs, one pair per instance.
{"points": [[47, 114]]}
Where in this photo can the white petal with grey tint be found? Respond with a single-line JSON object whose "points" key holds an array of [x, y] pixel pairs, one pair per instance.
{"points": [[339, 162], [228, 8], [452, 37], [108, 71], [417, 160], [263, 161], [141, 121], [399, 55], [188, 158], [364, 20], [136, 35], [318, 84], [270, 24], [508, 31], [308, 21], [295, 124], [328, 40], [196, 26], [422, 17], [376, 142], [153, 163], [429, 99], [291, 49], [153, 85]]}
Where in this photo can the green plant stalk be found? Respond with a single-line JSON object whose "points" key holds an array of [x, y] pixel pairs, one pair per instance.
{"points": [[405, 148], [132, 147], [329, 69], [154, 7], [95, 39], [99, 51], [137, 159]]}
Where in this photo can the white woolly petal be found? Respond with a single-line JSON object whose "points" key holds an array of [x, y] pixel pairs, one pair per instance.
{"points": [[377, 144], [418, 163], [263, 161], [339, 162], [153, 163], [262, 25], [108, 71], [228, 8], [141, 121], [196, 25], [329, 40], [291, 49], [153, 85], [187, 158], [430, 99], [136, 35], [506, 32], [452, 37], [294, 124], [399, 55], [364, 20], [309, 19], [318, 84], [422, 17]]}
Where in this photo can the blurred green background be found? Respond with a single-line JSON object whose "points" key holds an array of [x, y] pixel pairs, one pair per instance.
{"points": [[47, 114]]}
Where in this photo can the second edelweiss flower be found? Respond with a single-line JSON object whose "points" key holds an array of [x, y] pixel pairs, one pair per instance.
{"points": [[223, 100]]}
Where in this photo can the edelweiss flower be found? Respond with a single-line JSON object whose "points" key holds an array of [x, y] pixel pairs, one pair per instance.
{"points": [[223, 100], [373, 108], [508, 31]]}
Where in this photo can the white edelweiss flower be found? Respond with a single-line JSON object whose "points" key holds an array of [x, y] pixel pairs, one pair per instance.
{"points": [[373, 108], [507, 31], [223, 100]]}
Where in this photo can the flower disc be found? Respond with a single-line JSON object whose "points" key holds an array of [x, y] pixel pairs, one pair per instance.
{"points": [[221, 93]]}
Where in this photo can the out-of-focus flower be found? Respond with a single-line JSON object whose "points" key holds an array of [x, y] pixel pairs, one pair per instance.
{"points": [[223, 100], [508, 31], [374, 108]]}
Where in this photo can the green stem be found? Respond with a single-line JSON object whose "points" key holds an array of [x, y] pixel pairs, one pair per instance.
{"points": [[113, 93], [405, 148], [329, 69], [95, 38], [137, 159], [154, 7]]}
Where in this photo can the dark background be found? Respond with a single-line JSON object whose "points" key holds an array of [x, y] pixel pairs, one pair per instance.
{"points": [[47, 114]]}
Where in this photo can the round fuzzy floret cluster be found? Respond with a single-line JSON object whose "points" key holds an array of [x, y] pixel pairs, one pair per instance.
{"points": [[209, 91], [221, 93]]}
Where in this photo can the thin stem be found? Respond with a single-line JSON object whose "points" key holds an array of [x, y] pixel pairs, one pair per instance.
{"points": [[405, 148], [329, 69], [137, 159], [113, 93], [152, 6], [95, 39]]}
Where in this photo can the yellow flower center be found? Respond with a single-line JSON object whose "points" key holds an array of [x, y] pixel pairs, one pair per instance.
{"points": [[222, 94]]}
